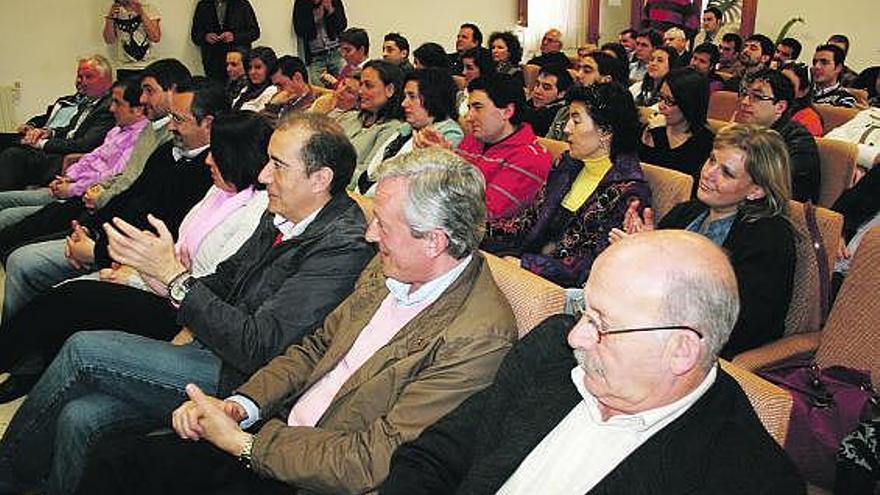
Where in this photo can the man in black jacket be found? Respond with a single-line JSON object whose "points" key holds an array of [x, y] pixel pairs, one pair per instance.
{"points": [[639, 407], [302, 260], [217, 26], [317, 24], [766, 99], [82, 122]]}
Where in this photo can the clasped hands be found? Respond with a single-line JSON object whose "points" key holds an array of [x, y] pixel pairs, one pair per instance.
{"points": [[215, 420]]}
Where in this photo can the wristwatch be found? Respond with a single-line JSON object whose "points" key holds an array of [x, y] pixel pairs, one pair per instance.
{"points": [[179, 287], [245, 457]]}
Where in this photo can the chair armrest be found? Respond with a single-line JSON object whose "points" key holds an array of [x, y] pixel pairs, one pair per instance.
{"points": [[778, 350]]}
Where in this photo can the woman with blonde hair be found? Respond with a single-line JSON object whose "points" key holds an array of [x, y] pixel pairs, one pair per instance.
{"points": [[742, 205]]}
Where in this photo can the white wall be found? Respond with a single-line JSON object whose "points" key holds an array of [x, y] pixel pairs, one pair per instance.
{"points": [[42, 39]]}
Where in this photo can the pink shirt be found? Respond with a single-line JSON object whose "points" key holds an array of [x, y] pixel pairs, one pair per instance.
{"points": [[384, 325], [106, 160]]}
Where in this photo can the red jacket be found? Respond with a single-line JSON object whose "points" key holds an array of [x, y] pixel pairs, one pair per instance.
{"points": [[515, 169]]}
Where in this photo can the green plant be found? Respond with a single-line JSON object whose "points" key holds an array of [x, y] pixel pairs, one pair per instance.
{"points": [[787, 27], [731, 10]]}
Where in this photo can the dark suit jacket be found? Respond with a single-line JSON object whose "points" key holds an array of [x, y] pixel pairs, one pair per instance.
{"points": [[240, 21], [763, 256], [716, 446], [89, 135], [304, 23]]}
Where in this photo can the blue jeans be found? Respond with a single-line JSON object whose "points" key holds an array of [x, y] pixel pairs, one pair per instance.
{"points": [[16, 205], [101, 382], [330, 60], [31, 270]]}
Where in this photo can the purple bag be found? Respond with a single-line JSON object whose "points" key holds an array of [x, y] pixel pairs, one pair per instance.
{"points": [[828, 405]]}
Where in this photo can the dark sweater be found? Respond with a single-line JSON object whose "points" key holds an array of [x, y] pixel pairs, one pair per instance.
{"points": [[717, 446], [688, 158], [803, 158]]}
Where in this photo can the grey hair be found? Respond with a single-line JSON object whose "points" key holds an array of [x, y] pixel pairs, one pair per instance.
{"points": [[444, 192], [706, 300], [100, 62]]}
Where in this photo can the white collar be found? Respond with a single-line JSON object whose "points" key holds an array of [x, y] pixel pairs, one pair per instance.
{"points": [[178, 153], [289, 229], [429, 291], [158, 124]]}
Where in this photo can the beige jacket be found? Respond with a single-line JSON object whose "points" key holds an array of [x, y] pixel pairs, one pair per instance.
{"points": [[451, 350]]}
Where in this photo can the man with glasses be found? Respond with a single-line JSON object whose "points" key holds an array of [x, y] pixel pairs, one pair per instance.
{"points": [[551, 51], [766, 99], [628, 399]]}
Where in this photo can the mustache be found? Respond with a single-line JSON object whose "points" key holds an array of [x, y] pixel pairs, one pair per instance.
{"points": [[589, 364]]}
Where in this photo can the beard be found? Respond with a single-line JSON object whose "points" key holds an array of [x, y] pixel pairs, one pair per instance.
{"points": [[590, 364]]}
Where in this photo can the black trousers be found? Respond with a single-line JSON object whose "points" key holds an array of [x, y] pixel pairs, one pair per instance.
{"points": [[22, 166], [138, 464], [38, 331], [49, 222]]}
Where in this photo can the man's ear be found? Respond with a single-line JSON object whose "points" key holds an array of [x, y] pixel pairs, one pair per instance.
{"points": [[438, 242], [508, 111], [321, 179]]}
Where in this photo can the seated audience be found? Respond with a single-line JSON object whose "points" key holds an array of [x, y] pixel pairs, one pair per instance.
{"points": [[847, 76], [341, 100], [628, 399], [158, 82], [560, 234], [212, 231], [259, 89], [428, 101], [500, 145], [308, 248], [766, 99], [704, 60], [475, 62], [378, 115], [677, 136], [788, 50], [294, 94], [236, 73], [742, 206], [646, 42], [627, 39], [395, 50], [175, 177], [425, 328], [828, 63], [354, 47], [864, 131], [547, 98], [756, 54], [430, 55], [647, 92], [469, 36], [75, 124], [551, 51], [106, 160], [860, 207], [617, 51], [676, 39], [802, 109], [507, 54]]}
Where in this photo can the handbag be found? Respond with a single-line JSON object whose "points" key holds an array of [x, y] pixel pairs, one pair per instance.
{"points": [[828, 404]]}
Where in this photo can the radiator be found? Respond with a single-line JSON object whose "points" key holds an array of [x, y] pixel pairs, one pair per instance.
{"points": [[7, 108]]}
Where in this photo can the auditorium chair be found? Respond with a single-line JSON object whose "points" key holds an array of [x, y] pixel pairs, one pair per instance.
{"points": [[851, 335], [834, 116], [532, 298], [722, 105], [771, 403], [837, 160], [668, 188]]}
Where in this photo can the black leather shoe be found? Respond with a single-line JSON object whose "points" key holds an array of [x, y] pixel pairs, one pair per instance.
{"points": [[16, 386]]}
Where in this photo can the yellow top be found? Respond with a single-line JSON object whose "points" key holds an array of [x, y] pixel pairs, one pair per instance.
{"points": [[586, 182]]}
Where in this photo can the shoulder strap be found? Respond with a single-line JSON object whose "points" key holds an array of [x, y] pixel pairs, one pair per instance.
{"points": [[821, 260]]}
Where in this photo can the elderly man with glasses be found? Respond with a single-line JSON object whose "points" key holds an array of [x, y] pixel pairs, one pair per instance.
{"points": [[628, 399]]}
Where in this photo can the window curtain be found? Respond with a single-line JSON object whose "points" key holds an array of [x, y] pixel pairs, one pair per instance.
{"points": [[565, 15]]}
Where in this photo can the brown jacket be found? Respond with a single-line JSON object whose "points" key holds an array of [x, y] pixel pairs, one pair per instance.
{"points": [[449, 351]]}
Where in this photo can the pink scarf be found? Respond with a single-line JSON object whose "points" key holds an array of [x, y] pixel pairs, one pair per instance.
{"points": [[211, 211]]}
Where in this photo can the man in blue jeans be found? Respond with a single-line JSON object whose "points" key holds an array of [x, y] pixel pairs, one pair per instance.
{"points": [[301, 261]]}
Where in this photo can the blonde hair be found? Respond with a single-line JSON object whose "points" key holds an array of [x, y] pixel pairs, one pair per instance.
{"points": [[766, 162]]}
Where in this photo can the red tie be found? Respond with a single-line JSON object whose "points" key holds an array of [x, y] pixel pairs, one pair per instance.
{"points": [[278, 239]]}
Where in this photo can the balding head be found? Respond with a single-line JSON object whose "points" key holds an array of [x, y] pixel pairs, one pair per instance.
{"points": [[552, 41], [671, 279]]}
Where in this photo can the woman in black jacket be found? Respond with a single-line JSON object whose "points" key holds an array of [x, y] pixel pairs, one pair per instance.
{"points": [[742, 205]]}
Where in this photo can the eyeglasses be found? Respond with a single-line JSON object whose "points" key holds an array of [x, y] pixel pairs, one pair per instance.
{"points": [[667, 100], [603, 332], [754, 95]]}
